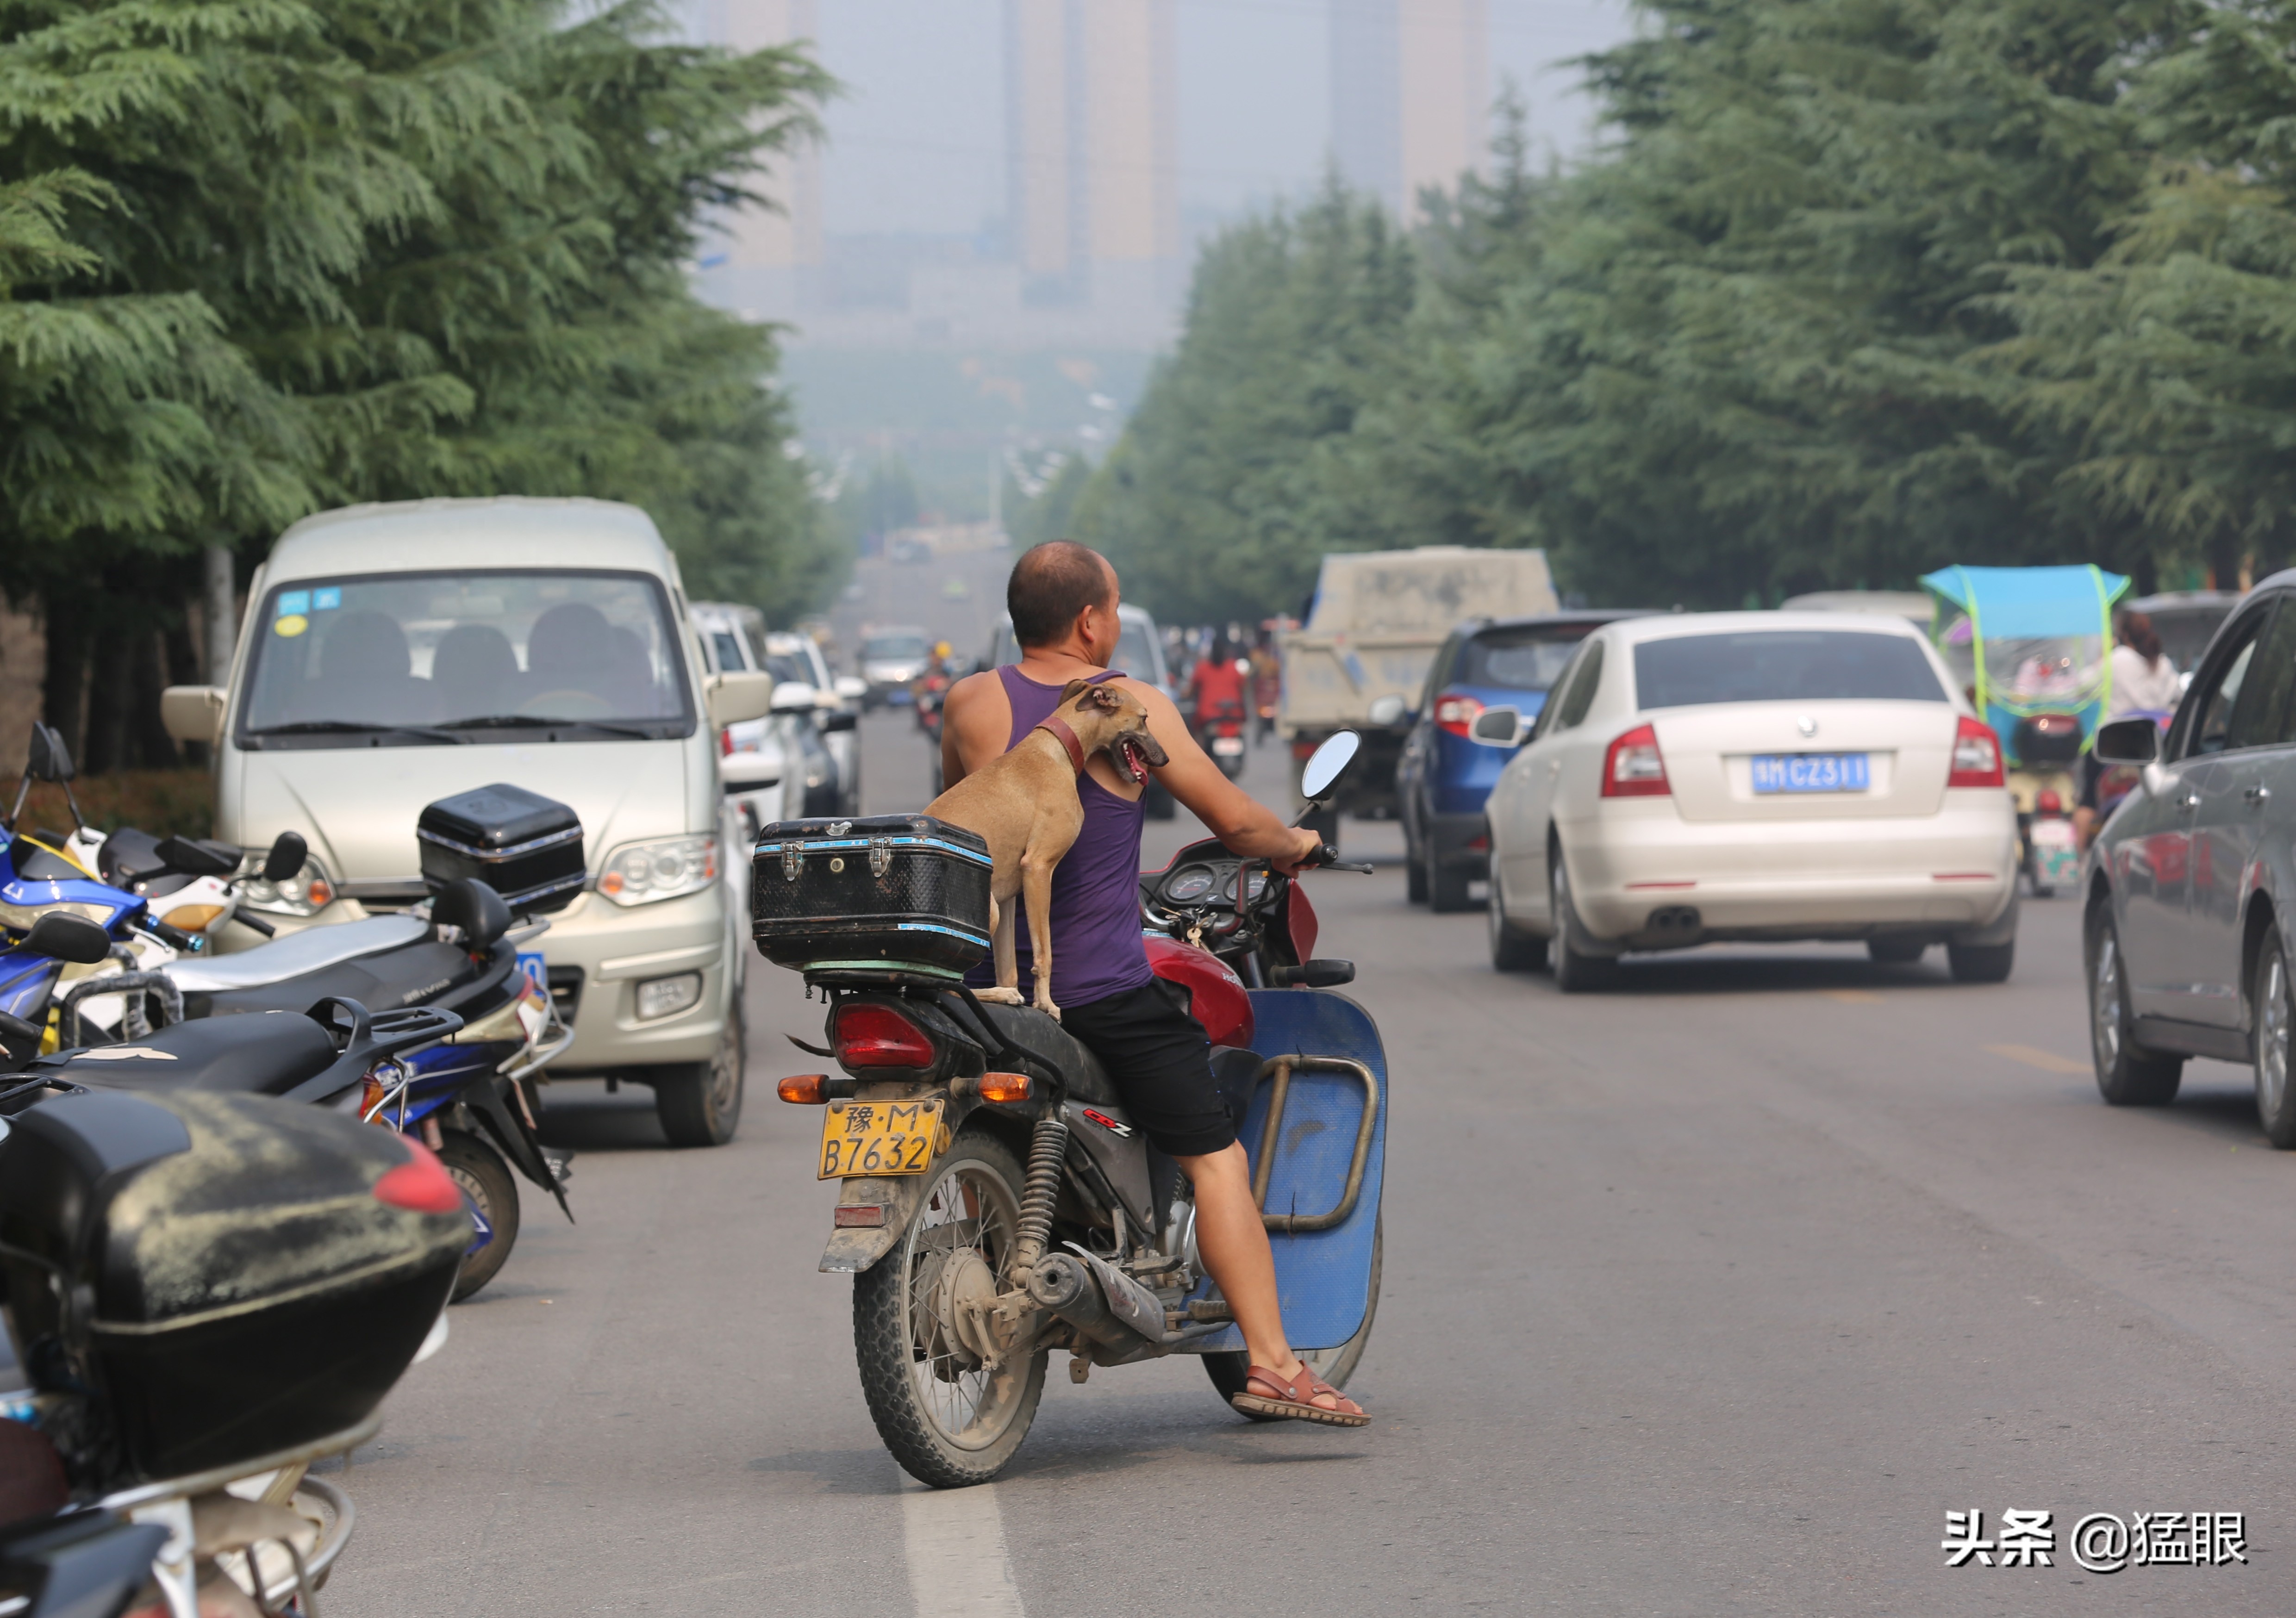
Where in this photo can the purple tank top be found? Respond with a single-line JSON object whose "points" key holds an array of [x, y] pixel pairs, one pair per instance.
{"points": [[1095, 920]]}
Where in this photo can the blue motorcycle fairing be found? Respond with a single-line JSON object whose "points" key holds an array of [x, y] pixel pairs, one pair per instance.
{"points": [[26, 982], [1322, 1277]]}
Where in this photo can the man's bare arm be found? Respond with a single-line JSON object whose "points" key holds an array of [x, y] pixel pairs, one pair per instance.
{"points": [[1247, 826], [967, 717]]}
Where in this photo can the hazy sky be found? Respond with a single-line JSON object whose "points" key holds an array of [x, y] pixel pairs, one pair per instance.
{"points": [[917, 142]]}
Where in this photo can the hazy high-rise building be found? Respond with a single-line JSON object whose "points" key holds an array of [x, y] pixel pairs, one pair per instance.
{"points": [[784, 241], [1410, 93], [1094, 206]]}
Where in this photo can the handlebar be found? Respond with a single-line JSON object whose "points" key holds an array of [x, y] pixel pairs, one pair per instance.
{"points": [[1327, 858]]}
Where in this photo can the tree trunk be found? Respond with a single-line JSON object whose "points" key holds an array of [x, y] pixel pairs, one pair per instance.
{"points": [[222, 597]]}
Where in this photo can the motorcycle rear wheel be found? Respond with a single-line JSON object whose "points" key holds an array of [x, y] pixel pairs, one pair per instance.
{"points": [[481, 1175], [1229, 1370], [947, 1420]]}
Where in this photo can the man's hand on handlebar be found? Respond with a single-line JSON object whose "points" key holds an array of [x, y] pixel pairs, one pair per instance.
{"points": [[1306, 851]]}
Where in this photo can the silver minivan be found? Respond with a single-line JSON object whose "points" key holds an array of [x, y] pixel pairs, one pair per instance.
{"points": [[394, 655]]}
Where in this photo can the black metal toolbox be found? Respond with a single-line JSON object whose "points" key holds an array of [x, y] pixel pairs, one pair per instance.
{"points": [[222, 1276], [525, 847], [889, 890]]}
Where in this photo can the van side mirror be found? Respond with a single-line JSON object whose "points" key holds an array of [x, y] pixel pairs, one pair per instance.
{"points": [[1497, 727], [194, 713], [738, 697], [2129, 741], [794, 696], [68, 936]]}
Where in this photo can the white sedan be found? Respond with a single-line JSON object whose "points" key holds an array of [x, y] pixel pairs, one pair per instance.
{"points": [[1750, 775]]}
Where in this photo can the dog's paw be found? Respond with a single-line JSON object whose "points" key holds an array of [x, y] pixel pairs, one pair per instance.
{"points": [[1048, 1009], [1001, 997]]}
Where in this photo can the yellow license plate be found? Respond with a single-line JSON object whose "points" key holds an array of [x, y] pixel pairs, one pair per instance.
{"points": [[878, 1138]]}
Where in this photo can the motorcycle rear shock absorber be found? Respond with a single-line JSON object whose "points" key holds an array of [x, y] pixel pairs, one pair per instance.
{"points": [[1049, 1147]]}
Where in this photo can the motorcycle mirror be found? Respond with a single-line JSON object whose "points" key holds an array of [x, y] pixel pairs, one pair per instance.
{"points": [[289, 853], [192, 859], [66, 935], [1327, 764], [47, 758]]}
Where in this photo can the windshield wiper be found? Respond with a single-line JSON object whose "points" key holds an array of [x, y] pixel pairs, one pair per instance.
{"points": [[529, 721], [353, 727]]}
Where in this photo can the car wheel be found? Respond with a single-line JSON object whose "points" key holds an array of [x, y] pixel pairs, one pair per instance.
{"points": [[1982, 962], [2126, 1074], [2275, 1020], [1576, 972], [700, 1103], [1512, 950], [1446, 887], [1896, 951]]}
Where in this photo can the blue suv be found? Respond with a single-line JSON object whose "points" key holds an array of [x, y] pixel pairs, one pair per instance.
{"points": [[1444, 776]]}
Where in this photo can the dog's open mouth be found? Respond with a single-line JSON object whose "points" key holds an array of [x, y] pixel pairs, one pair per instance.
{"points": [[1133, 760]]}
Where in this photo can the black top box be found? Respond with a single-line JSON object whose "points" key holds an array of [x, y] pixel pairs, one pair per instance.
{"points": [[525, 847], [887, 891], [243, 1277]]}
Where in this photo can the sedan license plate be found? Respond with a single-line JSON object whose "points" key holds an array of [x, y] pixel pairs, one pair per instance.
{"points": [[878, 1138], [1811, 772]]}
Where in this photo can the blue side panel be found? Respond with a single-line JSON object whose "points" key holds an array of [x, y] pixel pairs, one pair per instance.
{"points": [[1322, 1277], [25, 982]]}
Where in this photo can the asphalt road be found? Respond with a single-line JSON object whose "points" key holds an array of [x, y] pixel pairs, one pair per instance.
{"points": [[1712, 1295]]}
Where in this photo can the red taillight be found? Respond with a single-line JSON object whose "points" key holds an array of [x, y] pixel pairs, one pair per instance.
{"points": [[1976, 755], [421, 1185], [1633, 767], [726, 741], [878, 1036], [1457, 715]]}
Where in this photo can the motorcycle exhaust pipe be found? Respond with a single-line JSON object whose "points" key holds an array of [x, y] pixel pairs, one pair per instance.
{"points": [[1072, 1290]]}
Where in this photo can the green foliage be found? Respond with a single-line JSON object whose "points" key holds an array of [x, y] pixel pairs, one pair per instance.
{"points": [[258, 257], [1235, 473], [1860, 288]]}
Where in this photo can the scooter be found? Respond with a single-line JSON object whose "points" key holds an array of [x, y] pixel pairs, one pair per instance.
{"points": [[996, 1203], [1220, 733], [152, 1439]]}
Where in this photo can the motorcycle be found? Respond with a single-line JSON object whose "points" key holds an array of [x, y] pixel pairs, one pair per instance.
{"points": [[995, 1202], [155, 1443], [1220, 733], [465, 1097]]}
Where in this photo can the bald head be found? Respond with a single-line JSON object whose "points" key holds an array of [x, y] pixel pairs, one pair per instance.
{"points": [[1051, 585]]}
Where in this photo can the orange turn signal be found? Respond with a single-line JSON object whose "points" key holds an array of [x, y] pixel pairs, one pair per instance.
{"points": [[1003, 1086], [805, 1089]]}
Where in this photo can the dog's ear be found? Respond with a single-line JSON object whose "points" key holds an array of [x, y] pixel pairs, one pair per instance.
{"points": [[1070, 689], [1104, 698]]}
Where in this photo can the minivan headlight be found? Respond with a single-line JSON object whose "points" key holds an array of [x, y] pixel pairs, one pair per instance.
{"points": [[661, 867], [307, 892]]}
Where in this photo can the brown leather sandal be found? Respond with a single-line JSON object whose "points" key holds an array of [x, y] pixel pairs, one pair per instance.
{"points": [[1265, 1394]]}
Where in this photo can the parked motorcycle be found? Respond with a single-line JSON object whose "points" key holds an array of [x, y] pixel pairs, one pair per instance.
{"points": [[464, 1096], [995, 1202], [200, 1293]]}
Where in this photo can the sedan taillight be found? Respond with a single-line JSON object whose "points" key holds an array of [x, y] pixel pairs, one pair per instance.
{"points": [[1976, 755], [1457, 715], [1634, 768], [878, 1036]]}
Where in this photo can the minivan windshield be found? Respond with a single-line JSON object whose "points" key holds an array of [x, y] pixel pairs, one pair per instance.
{"points": [[439, 658], [1782, 665]]}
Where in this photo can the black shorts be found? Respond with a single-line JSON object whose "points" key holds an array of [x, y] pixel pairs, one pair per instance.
{"points": [[1161, 1063]]}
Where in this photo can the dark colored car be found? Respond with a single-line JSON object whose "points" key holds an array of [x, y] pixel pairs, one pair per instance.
{"points": [[1444, 776]]}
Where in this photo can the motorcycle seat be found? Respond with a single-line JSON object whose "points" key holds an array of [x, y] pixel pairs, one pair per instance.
{"points": [[266, 1055], [424, 972], [310, 950], [1039, 1036]]}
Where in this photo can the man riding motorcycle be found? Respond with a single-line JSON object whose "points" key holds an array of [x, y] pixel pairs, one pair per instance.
{"points": [[1063, 597]]}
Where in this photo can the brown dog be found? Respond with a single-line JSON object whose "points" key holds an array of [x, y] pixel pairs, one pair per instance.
{"points": [[1025, 804]]}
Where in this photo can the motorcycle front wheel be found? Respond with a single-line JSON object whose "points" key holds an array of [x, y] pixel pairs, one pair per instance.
{"points": [[483, 1178], [948, 1417], [1228, 1371]]}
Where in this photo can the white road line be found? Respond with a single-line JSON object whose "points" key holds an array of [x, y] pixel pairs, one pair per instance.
{"points": [[956, 1543]]}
